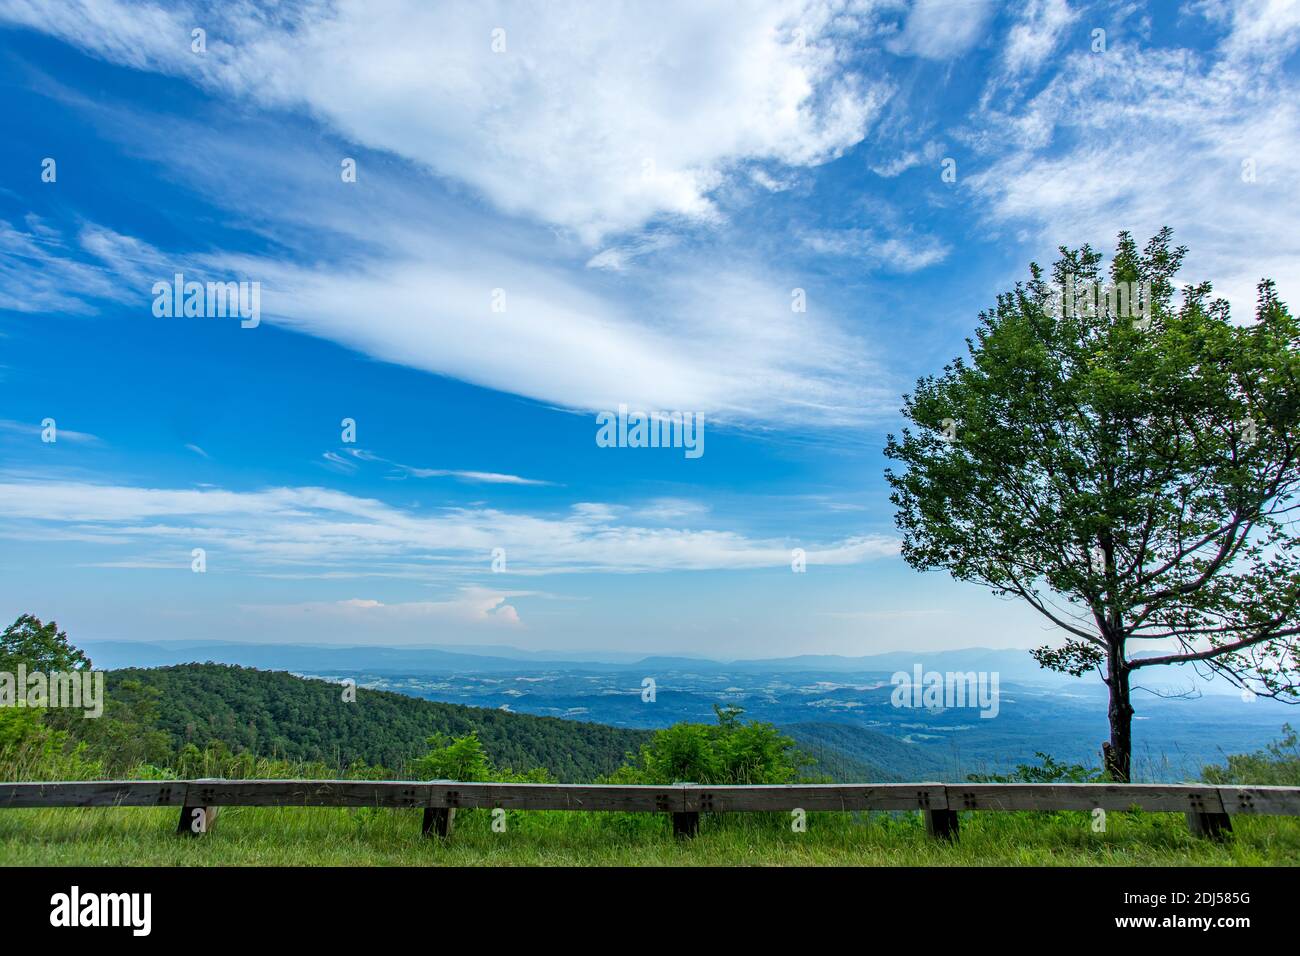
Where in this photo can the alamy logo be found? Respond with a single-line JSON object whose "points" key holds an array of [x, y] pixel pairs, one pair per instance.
{"points": [[1121, 300], [213, 300], [75, 689], [933, 690], [103, 909], [651, 430]]}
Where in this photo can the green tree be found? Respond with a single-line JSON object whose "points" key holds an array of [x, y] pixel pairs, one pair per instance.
{"points": [[126, 734], [42, 647], [1132, 480]]}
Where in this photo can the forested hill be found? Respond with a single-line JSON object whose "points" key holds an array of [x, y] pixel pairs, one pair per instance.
{"points": [[272, 713]]}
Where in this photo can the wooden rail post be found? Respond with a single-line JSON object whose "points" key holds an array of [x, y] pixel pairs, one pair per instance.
{"points": [[438, 821], [196, 821], [686, 824], [196, 818], [1207, 815], [1211, 826], [942, 824]]}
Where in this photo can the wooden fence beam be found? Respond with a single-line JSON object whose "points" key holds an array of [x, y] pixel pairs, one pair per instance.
{"points": [[1282, 801], [1152, 797], [1208, 810]]}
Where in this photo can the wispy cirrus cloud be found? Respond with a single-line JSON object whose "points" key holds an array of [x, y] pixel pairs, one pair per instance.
{"points": [[472, 606], [476, 477], [942, 29], [898, 253], [328, 532], [1036, 33], [428, 301], [1138, 138], [33, 430], [501, 96]]}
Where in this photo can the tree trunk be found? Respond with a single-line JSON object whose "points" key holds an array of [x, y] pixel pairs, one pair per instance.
{"points": [[1118, 753]]}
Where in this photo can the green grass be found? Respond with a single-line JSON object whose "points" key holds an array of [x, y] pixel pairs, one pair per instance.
{"points": [[256, 836]]}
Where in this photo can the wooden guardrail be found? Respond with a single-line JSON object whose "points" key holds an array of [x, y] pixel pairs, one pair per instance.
{"points": [[1209, 809]]}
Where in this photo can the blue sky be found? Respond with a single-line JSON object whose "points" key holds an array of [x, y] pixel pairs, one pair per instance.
{"points": [[647, 187]]}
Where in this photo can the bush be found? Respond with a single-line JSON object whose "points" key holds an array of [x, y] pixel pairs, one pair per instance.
{"points": [[732, 752], [463, 758], [30, 750]]}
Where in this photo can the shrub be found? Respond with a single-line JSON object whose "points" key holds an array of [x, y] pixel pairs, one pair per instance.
{"points": [[463, 758], [732, 752], [31, 750]]}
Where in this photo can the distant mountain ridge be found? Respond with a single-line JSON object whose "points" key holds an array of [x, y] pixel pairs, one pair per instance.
{"points": [[1013, 665], [388, 660]]}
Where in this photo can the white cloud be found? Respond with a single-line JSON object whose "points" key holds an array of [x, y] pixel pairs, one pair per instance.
{"points": [[429, 306], [596, 122], [1140, 138], [470, 606], [1256, 28], [899, 253], [33, 431], [328, 533], [942, 29], [929, 153], [560, 344], [38, 274], [479, 477], [672, 509], [1036, 34], [407, 275], [618, 257]]}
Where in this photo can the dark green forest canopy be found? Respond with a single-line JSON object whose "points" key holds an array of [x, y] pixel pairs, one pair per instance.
{"points": [[272, 713]]}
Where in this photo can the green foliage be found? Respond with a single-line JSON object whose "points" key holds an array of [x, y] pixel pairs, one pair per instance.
{"points": [[125, 734], [31, 750], [1128, 481], [456, 758], [1048, 770], [42, 647], [732, 752], [463, 758], [1277, 765], [218, 760]]}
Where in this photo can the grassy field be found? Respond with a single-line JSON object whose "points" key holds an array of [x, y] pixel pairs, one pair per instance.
{"points": [[256, 836]]}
